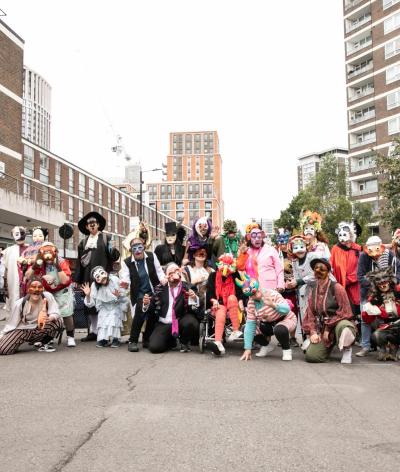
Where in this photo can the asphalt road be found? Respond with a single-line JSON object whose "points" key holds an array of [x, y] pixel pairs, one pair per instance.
{"points": [[88, 409]]}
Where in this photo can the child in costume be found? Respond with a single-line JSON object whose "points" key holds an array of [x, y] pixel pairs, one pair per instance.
{"points": [[311, 227], [224, 298], [268, 314], [382, 312], [109, 296], [260, 261], [55, 275]]}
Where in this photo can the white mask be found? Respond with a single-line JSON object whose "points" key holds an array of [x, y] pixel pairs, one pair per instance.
{"points": [[18, 234], [170, 238], [309, 230], [344, 235], [99, 274], [38, 236]]}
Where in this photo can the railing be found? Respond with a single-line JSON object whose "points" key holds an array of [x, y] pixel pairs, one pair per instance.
{"points": [[356, 168], [362, 143], [361, 94], [355, 73], [351, 4], [27, 189], [358, 47], [365, 117], [356, 25], [357, 193]]}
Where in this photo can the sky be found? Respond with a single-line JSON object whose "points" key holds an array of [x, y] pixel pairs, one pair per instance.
{"points": [[268, 76]]}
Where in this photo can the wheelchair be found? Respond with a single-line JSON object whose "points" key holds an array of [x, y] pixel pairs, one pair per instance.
{"points": [[207, 330]]}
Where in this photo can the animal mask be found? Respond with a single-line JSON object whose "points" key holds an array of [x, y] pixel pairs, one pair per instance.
{"points": [[382, 280], [345, 232], [226, 264], [47, 253], [248, 285]]}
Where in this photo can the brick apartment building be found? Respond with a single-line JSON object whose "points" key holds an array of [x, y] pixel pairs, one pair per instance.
{"points": [[372, 48], [38, 187], [193, 185]]}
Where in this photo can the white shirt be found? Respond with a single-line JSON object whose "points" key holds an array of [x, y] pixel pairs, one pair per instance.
{"points": [[92, 241], [124, 274], [168, 317]]}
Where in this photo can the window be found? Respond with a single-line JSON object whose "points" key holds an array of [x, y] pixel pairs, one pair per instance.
{"points": [[180, 206], [165, 206], [27, 188], [115, 223], [194, 191], [29, 161], [123, 204], [109, 220], [57, 177], [188, 143], [208, 205], [80, 209], [180, 216], [152, 192], [57, 200], [91, 190], [116, 200], [208, 214], [207, 190], [392, 48], [100, 198], [71, 181], [44, 168], [179, 191], [70, 209], [391, 23], [82, 187], [389, 3], [394, 125], [109, 202], [393, 100], [193, 205]]}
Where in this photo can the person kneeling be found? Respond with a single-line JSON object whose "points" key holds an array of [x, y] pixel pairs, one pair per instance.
{"points": [[269, 314], [35, 318], [175, 306], [327, 318]]}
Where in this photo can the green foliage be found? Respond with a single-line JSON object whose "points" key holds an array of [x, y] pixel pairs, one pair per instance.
{"points": [[388, 171], [327, 195]]}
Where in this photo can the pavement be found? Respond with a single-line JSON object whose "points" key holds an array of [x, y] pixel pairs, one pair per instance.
{"points": [[87, 409]]}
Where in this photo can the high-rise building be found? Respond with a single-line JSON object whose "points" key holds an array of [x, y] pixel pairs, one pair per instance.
{"points": [[308, 165], [36, 109], [193, 185], [372, 48]]}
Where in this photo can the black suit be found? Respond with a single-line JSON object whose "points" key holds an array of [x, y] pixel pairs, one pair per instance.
{"points": [[162, 339]]}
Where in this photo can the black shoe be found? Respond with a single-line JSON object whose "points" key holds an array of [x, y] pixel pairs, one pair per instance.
{"points": [[145, 344], [185, 348], [89, 337], [294, 343], [115, 342], [133, 347], [102, 343]]}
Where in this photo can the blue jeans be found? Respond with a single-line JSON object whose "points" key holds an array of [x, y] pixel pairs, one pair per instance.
{"points": [[365, 330]]}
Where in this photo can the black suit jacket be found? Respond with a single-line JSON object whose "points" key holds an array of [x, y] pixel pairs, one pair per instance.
{"points": [[160, 302]]}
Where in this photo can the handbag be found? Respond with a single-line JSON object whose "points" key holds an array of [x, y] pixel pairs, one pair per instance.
{"points": [[86, 257]]}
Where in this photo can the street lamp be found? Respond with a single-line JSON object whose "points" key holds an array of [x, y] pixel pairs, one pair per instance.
{"points": [[141, 190]]}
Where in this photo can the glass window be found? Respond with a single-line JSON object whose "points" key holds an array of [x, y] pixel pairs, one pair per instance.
{"points": [[392, 48], [116, 200], [165, 206], [109, 202], [116, 223], [391, 23], [208, 205], [71, 186], [27, 188], [58, 175], [180, 215], [80, 208], [393, 100], [29, 161], [70, 209], [180, 206], [100, 199], [393, 73], [394, 125], [91, 190], [44, 168], [207, 190], [109, 220], [194, 191], [123, 204], [82, 186], [57, 200], [179, 191]]}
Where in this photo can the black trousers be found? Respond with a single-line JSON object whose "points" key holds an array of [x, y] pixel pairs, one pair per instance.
{"points": [[269, 329], [137, 323], [161, 339]]}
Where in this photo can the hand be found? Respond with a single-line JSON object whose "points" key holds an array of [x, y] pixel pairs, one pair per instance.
{"points": [[241, 305], [192, 295], [215, 304], [116, 293], [243, 248], [246, 355], [123, 284], [214, 232], [86, 288], [315, 338], [146, 300]]}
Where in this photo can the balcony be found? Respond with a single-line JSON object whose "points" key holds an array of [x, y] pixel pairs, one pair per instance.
{"points": [[367, 191], [365, 141], [361, 70], [364, 93], [360, 119], [352, 4], [358, 47], [356, 167], [356, 24], [23, 202]]}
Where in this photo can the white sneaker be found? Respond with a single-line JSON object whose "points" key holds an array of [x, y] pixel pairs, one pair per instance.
{"points": [[265, 350], [286, 354], [218, 348], [71, 341], [346, 356], [235, 335]]}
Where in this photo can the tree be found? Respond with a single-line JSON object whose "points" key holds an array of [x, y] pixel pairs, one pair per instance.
{"points": [[388, 169]]}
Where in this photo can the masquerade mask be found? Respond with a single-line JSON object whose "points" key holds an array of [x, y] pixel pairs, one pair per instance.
{"points": [[35, 288], [248, 285], [173, 273], [226, 264], [298, 246], [344, 235], [137, 248], [170, 238], [18, 233], [202, 226], [99, 275], [309, 230]]}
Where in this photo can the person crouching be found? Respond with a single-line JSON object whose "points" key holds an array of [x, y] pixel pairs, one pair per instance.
{"points": [[35, 318], [108, 294]]}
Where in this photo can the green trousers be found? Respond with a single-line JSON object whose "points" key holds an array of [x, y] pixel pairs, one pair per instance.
{"points": [[319, 352]]}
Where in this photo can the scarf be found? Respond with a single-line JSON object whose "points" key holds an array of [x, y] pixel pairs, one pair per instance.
{"points": [[224, 288], [231, 245], [175, 325]]}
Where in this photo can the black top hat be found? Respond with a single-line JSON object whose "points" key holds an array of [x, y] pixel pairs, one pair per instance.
{"points": [[170, 227], [93, 214], [322, 260]]}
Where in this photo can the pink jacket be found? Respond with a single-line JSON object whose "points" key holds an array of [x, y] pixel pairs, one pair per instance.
{"points": [[269, 267]]}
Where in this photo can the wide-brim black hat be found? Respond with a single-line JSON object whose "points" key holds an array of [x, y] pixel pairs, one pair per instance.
{"points": [[322, 260], [93, 214]]}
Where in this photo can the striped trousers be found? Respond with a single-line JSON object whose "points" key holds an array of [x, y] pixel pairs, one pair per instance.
{"points": [[12, 340]]}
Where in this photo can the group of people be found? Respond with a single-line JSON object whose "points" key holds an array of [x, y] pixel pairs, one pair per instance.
{"points": [[246, 289]]}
